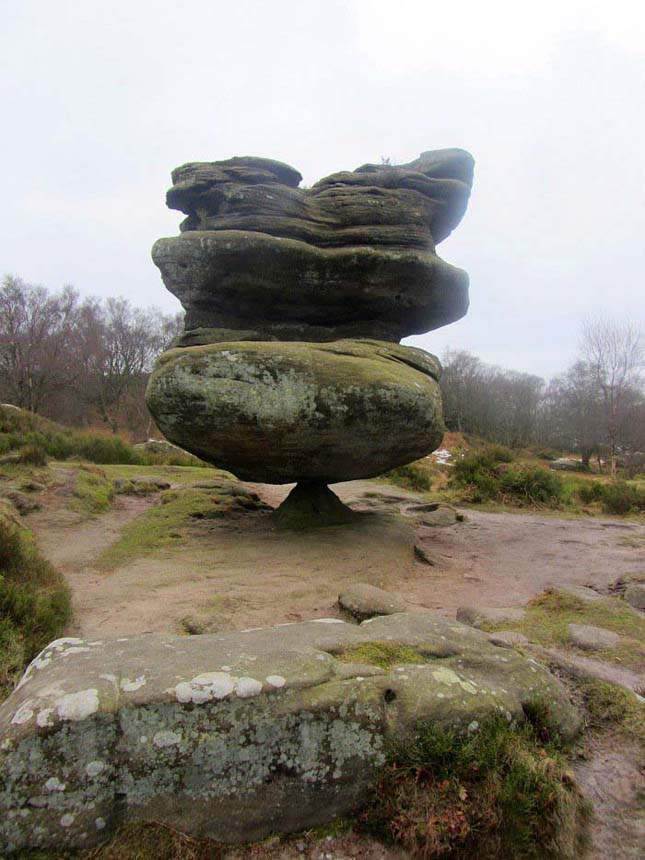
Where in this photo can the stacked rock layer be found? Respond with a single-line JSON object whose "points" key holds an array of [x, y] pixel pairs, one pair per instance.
{"points": [[290, 367]]}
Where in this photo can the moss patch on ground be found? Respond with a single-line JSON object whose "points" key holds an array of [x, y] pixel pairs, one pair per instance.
{"points": [[165, 524], [609, 707], [174, 474], [34, 600], [549, 614], [497, 792], [93, 491], [382, 654]]}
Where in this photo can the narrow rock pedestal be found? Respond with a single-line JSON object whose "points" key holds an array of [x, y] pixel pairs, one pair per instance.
{"points": [[312, 504]]}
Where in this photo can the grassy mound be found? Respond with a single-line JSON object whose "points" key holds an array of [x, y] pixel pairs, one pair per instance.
{"points": [[36, 438], [34, 600], [496, 792], [163, 525], [93, 491], [548, 616]]}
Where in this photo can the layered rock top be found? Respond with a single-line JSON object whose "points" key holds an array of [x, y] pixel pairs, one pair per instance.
{"points": [[353, 256]]}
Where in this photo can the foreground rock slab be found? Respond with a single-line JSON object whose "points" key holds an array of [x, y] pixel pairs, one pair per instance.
{"points": [[237, 736]]}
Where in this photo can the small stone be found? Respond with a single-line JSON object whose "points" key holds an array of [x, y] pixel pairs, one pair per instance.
{"points": [[592, 638], [363, 601], [478, 616], [635, 595], [424, 556], [437, 515], [508, 638]]}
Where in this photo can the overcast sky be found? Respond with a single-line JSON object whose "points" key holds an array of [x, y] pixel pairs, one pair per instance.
{"points": [[100, 100]]}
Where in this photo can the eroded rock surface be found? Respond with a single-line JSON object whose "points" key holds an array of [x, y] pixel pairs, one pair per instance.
{"points": [[289, 369], [363, 600], [285, 412], [354, 256], [236, 736]]}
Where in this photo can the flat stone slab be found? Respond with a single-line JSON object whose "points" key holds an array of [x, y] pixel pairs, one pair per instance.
{"points": [[591, 638], [579, 591], [508, 638], [237, 736], [363, 601], [476, 616]]}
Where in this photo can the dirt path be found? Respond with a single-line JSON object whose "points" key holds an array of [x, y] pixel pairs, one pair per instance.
{"points": [[235, 573], [230, 574]]}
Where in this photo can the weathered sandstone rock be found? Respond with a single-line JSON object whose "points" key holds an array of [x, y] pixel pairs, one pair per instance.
{"points": [[478, 616], [354, 256], [237, 736], [290, 290], [413, 204], [590, 638], [363, 600], [284, 412], [635, 595]]}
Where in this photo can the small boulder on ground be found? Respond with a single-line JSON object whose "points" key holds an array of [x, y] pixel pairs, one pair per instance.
{"points": [[592, 638], [437, 514], [24, 504], [568, 464], [363, 601], [478, 616], [33, 487], [508, 638], [140, 485], [635, 595]]}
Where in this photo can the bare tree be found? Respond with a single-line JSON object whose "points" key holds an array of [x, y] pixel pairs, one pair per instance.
{"points": [[573, 412], [615, 353], [36, 333], [70, 359]]}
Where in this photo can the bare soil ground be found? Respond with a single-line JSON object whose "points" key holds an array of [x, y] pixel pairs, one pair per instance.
{"points": [[239, 572]]}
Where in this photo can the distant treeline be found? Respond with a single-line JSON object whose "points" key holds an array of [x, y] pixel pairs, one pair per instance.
{"points": [[79, 361], [595, 408], [87, 361]]}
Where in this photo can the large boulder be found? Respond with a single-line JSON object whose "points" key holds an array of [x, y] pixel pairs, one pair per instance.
{"points": [[234, 737], [285, 412], [353, 256], [236, 280]]}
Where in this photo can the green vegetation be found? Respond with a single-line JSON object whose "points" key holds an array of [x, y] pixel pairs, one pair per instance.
{"points": [[548, 616], [141, 841], [487, 476], [162, 525], [34, 600], [615, 498], [32, 455], [174, 474], [93, 491], [500, 791], [612, 707], [21, 430], [412, 476], [383, 654]]}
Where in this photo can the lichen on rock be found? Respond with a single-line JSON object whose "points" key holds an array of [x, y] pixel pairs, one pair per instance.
{"points": [[237, 736]]}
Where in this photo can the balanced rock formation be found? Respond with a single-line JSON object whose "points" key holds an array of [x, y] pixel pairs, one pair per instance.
{"points": [[241, 735], [290, 368]]}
